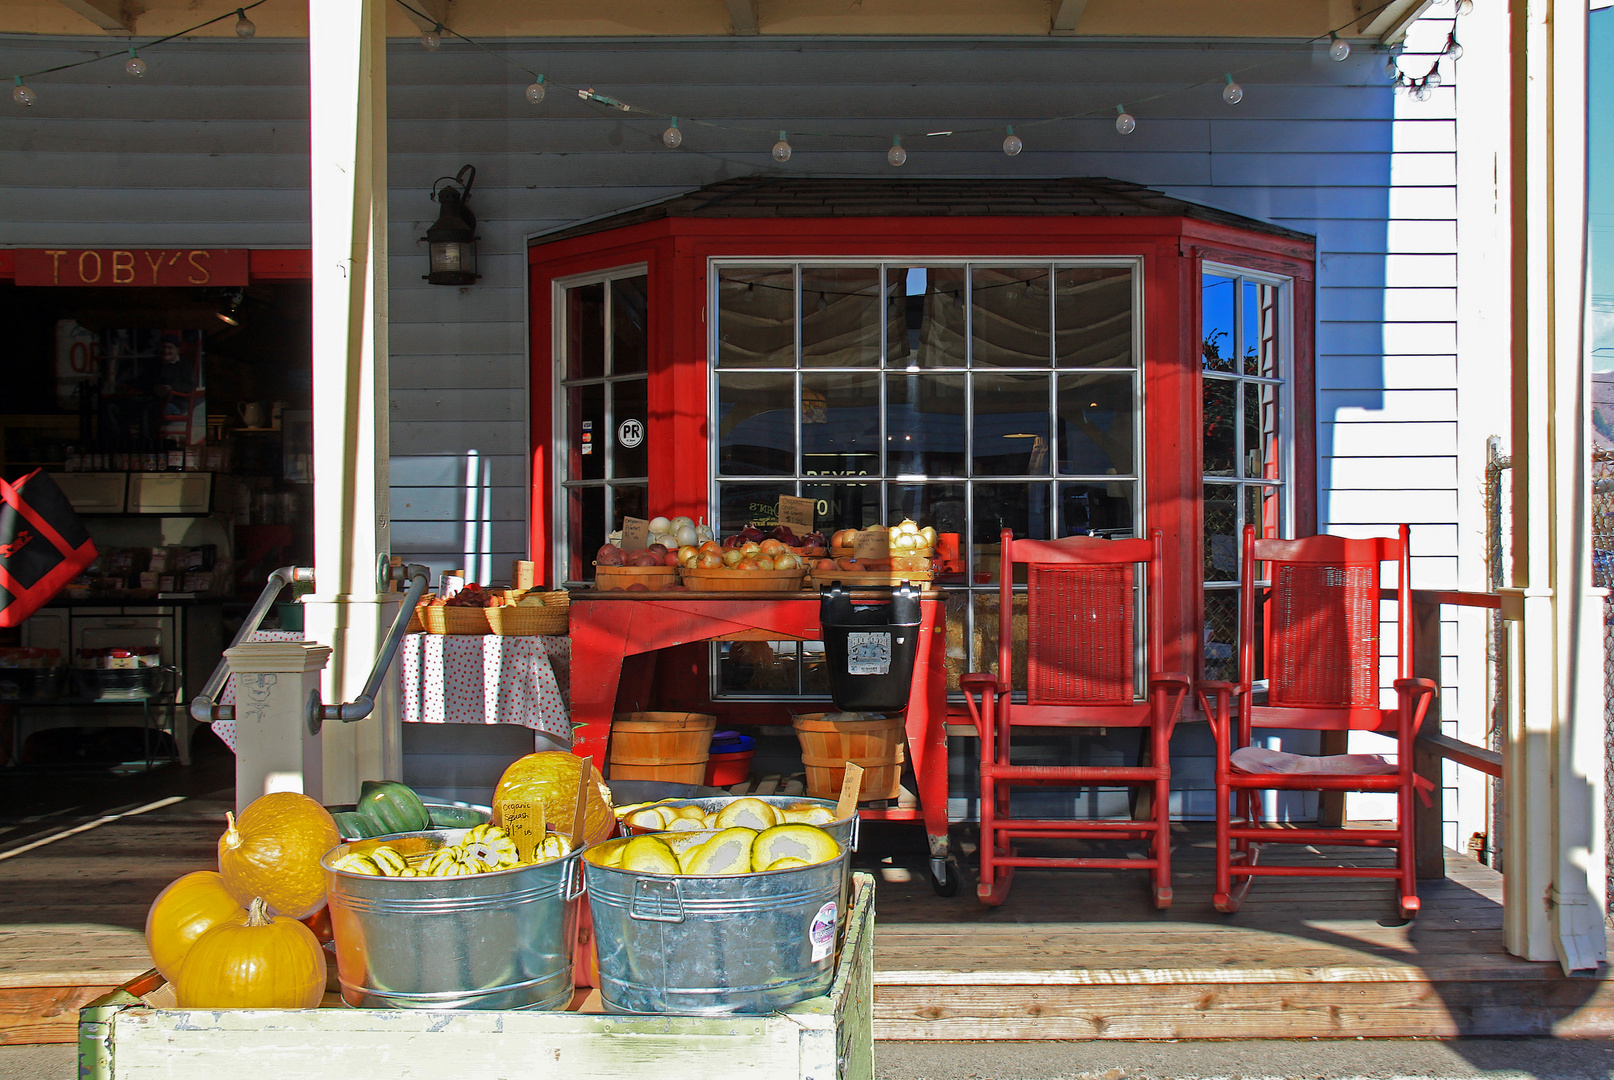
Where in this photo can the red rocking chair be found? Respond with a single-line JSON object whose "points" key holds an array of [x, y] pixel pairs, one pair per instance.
{"points": [[1321, 651], [1081, 652]]}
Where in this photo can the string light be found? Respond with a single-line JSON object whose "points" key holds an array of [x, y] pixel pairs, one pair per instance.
{"points": [[1433, 78], [244, 27], [781, 149], [1124, 121], [433, 38], [672, 136], [1392, 70], [1011, 143], [1453, 48], [1340, 48], [1232, 93], [1465, 6], [134, 65], [896, 155], [536, 92], [22, 95]]}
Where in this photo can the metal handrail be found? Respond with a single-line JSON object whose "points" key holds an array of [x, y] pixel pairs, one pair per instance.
{"points": [[204, 707], [350, 712]]}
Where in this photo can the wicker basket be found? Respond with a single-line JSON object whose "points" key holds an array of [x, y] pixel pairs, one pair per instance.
{"points": [[417, 624], [827, 745], [523, 621], [667, 746], [456, 620], [730, 580], [653, 578]]}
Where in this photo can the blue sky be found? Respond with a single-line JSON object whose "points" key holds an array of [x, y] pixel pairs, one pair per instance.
{"points": [[1600, 192]]}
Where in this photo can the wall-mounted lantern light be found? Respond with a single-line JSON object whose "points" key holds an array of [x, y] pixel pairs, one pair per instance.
{"points": [[452, 238]]}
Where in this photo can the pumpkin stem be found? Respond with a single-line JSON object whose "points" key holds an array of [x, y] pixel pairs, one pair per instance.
{"points": [[232, 838], [258, 913]]}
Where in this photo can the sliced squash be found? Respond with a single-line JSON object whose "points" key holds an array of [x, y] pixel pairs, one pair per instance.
{"points": [[809, 814], [748, 813], [729, 852], [651, 817], [684, 813], [685, 824], [808, 843], [786, 863], [648, 855]]}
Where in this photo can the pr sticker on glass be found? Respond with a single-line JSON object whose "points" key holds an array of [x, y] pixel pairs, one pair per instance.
{"points": [[822, 932]]}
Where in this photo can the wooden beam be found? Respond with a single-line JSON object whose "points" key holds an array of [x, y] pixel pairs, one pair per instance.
{"points": [[1475, 757], [1066, 14], [436, 12], [107, 14], [1390, 24], [745, 17]]}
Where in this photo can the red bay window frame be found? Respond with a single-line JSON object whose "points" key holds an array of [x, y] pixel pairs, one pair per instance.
{"points": [[677, 251]]}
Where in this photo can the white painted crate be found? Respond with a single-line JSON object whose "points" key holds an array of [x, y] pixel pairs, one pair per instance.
{"points": [[824, 1038]]}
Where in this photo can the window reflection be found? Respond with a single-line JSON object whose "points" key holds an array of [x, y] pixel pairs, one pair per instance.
{"points": [[925, 424], [756, 425], [630, 340], [1095, 424], [1097, 509], [756, 324], [1093, 317], [585, 331], [1216, 323], [1011, 309], [840, 425], [925, 313], [1012, 426], [840, 316]]}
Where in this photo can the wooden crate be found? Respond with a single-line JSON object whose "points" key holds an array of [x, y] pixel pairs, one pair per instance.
{"points": [[123, 1037]]}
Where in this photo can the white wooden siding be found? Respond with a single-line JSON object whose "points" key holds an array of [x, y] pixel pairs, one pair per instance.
{"points": [[210, 148]]}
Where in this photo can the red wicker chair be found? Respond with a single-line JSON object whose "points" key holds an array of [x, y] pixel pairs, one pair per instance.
{"points": [[1321, 648], [1081, 652]]}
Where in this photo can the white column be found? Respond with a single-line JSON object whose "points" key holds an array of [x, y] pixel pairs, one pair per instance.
{"points": [[348, 169], [273, 748], [1555, 756]]}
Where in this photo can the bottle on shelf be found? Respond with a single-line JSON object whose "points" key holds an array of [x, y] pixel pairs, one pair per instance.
{"points": [[176, 456]]}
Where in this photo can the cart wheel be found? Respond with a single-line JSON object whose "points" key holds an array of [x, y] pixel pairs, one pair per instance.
{"points": [[946, 882]]}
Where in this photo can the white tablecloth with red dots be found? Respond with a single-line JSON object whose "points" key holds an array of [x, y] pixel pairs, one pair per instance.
{"points": [[465, 679]]}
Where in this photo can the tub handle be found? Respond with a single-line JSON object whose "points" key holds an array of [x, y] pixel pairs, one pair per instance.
{"points": [[575, 884], [857, 828], [653, 890]]}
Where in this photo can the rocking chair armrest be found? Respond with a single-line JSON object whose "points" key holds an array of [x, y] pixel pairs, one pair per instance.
{"points": [[1210, 687], [1417, 686], [977, 687], [1170, 680], [977, 681]]}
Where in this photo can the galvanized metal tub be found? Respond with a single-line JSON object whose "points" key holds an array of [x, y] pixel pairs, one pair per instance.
{"points": [[845, 831], [699, 945], [500, 940]]}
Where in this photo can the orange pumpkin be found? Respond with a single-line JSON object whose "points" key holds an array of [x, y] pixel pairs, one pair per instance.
{"points": [[272, 850], [184, 911], [256, 961]]}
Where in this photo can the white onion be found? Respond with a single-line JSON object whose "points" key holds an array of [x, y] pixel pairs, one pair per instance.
{"points": [[660, 525], [680, 522], [685, 534]]}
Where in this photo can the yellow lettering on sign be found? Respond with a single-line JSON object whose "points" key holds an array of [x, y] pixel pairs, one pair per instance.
{"points": [[206, 275], [155, 264], [82, 276], [123, 268], [55, 266]]}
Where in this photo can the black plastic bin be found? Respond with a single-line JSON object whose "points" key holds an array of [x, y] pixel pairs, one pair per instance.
{"points": [[869, 648]]}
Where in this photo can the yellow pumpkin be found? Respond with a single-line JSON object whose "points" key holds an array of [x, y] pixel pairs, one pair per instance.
{"points": [[551, 777], [256, 961], [184, 911], [273, 849]]}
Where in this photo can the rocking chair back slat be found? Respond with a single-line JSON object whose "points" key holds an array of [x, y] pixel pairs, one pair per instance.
{"points": [[1080, 646], [1324, 625]]}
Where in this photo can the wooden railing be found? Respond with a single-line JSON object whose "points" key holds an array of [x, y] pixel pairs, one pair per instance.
{"points": [[1434, 746]]}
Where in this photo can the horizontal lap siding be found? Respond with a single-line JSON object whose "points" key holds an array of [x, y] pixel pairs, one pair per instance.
{"points": [[210, 148]]}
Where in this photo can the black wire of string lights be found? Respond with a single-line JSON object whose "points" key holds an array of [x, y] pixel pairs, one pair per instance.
{"points": [[1125, 122], [23, 94]]}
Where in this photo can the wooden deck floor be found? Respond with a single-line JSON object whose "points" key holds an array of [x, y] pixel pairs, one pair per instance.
{"points": [[1070, 956], [1082, 955]]}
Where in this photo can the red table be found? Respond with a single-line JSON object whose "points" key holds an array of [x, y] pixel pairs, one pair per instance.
{"points": [[608, 627]]}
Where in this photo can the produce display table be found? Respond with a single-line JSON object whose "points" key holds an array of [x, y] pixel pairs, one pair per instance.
{"points": [[133, 1033], [609, 627], [486, 679]]}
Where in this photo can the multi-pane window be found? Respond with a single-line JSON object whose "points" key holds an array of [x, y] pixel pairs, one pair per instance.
{"points": [[968, 395], [1242, 381], [604, 365]]}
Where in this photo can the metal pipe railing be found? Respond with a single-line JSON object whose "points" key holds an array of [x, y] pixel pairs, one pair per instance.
{"points": [[204, 707], [350, 712]]}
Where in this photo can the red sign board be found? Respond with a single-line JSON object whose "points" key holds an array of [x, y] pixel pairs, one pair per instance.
{"points": [[132, 266]]}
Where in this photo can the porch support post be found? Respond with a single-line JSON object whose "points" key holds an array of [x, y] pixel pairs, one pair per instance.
{"points": [[347, 54], [1555, 876]]}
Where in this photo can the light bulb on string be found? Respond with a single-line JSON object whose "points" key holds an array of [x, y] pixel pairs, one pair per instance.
{"points": [[433, 38], [1232, 93], [896, 155], [1392, 70], [536, 92], [1433, 79], [1421, 91], [1338, 48], [22, 94], [1124, 122], [134, 66], [1465, 6], [1011, 143], [781, 149], [672, 136], [244, 27], [1454, 48]]}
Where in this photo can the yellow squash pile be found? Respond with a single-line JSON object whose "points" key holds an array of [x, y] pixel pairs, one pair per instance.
{"points": [[481, 850], [756, 814], [733, 850]]}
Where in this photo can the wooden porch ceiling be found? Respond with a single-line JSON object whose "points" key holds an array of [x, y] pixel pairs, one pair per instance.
{"points": [[1384, 20]]}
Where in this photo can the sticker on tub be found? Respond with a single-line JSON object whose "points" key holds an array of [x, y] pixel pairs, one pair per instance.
{"points": [[868, 653], [822, 933]]}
